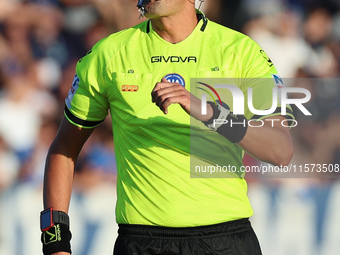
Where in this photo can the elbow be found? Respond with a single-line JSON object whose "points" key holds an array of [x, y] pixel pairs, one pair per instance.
{"points": [[283, 156]]}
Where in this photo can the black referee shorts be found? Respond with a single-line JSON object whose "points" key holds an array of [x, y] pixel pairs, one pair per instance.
{"points": [[230, 238]]}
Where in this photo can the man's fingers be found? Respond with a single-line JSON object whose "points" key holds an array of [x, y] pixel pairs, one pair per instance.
{"points": [[165, 100], [168, 90], [162, 88], [164, 83], [166, 93], [171, 100], [159, 86]]}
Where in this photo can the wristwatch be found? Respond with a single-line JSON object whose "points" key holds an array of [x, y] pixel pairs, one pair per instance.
{"points": [[50, 217]]}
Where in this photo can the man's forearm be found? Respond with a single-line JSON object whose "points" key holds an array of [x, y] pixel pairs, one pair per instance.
{"points": [[58, 181], [60, 162], [270, 144]]}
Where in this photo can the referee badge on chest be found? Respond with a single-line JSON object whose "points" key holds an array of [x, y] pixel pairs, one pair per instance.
{"points": [[175, 78]]}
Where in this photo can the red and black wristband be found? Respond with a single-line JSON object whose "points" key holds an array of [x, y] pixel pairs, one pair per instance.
{"points": [[56, 234]]}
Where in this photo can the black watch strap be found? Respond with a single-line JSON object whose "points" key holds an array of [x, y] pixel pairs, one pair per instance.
{"points": [[61, 217]]}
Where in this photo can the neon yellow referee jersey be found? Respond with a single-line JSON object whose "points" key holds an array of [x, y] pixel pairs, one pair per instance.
{"points": [[153, 149]]}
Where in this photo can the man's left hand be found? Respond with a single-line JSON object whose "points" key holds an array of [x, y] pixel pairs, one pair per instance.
{"points": [[166, 93]]}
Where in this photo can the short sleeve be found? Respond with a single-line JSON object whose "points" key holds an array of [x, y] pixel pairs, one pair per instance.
{"points": [[87, 104], [259, 77]]}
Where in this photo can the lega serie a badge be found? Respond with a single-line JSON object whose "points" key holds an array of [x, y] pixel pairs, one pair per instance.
{"points": [[72, 91], [175, 78]]}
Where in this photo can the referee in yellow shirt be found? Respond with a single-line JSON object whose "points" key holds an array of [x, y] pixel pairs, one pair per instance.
{"points": [[142, 75]]}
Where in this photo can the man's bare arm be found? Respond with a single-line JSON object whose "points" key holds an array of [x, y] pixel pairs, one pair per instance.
{"points": [[271, 143], [60, 162]]}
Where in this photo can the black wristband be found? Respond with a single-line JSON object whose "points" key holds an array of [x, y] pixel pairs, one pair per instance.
{"points": [[61, 217], [233, 127], [56, 239]]}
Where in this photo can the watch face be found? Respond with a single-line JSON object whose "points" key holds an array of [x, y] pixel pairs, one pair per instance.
{"points": [[46, 219]]}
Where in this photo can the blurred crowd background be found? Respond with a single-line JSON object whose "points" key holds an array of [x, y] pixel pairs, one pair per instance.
{"points": [[40, 44]]}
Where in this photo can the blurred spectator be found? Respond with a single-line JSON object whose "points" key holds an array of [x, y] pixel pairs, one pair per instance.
{"points": [[47, 40], [321, 62], [19, 121], [118, 14], [98, 163], [31, 172], [9, 166], [279, 35]]}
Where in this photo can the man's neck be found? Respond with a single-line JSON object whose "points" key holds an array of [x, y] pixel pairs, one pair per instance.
{"points": [[175, 28]]}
